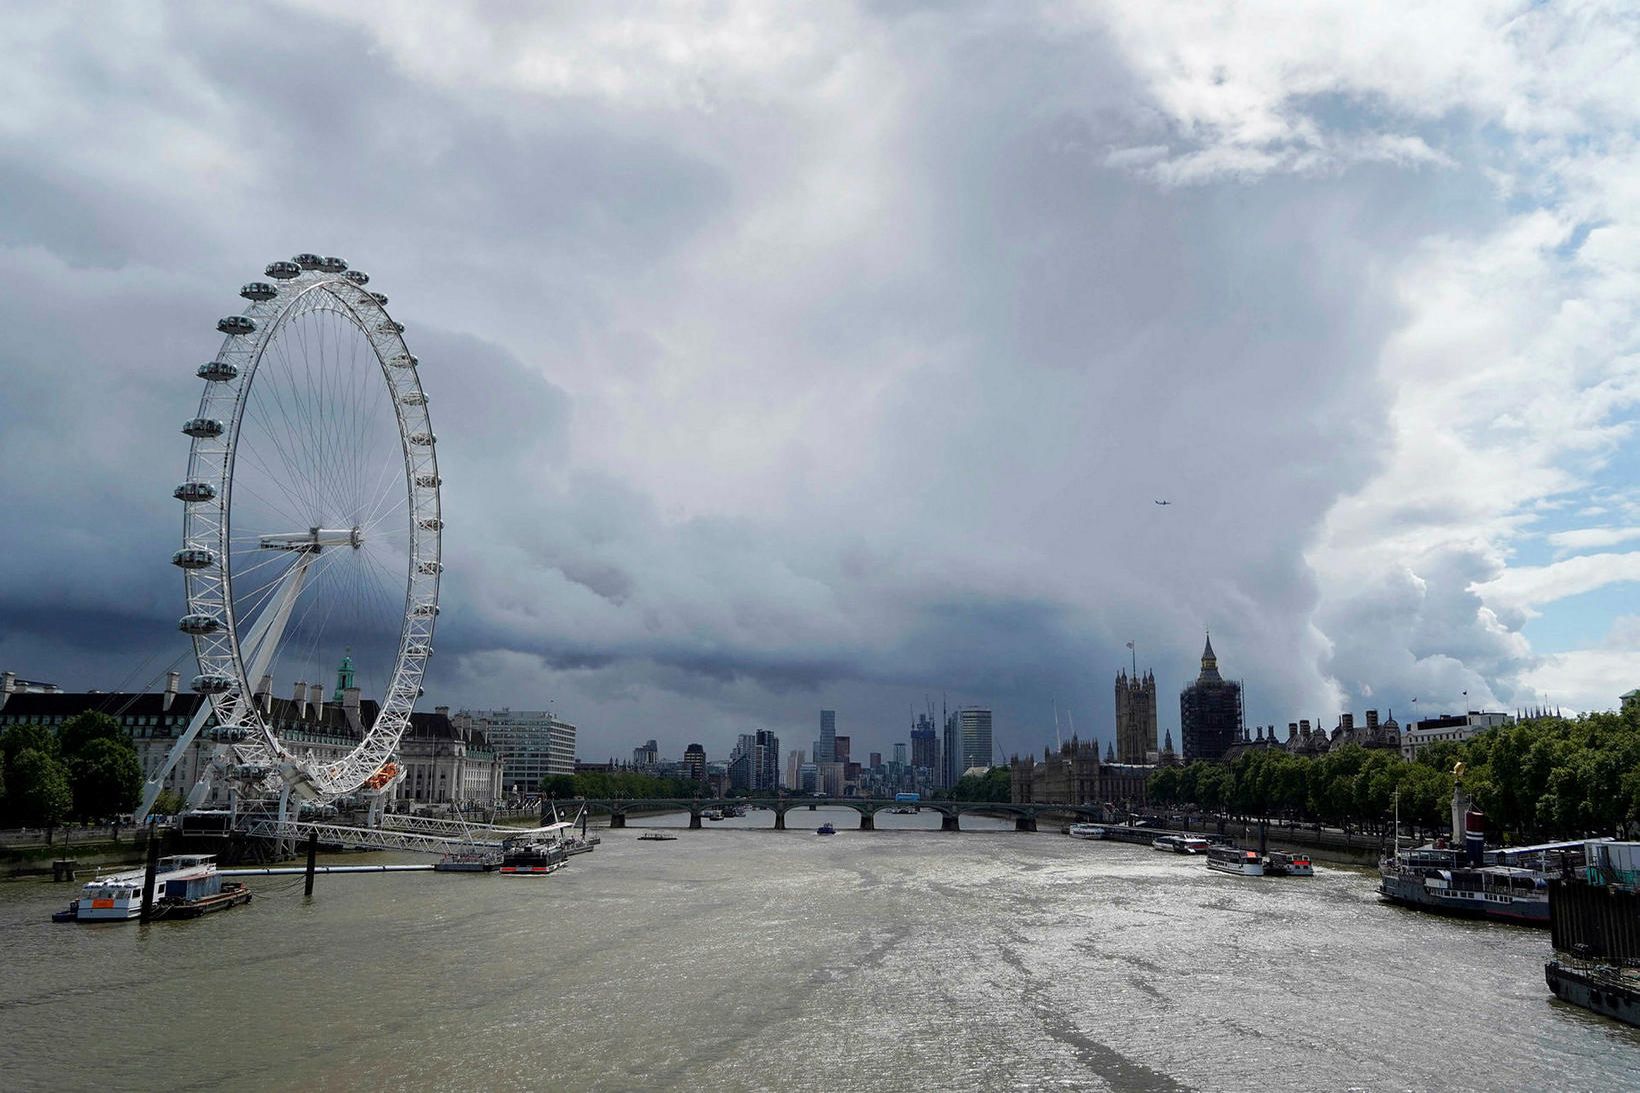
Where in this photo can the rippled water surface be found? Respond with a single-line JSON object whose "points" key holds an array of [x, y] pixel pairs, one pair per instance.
{"points": [[749, 959]]}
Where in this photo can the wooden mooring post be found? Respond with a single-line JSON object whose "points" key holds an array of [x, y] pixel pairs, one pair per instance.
{"points": [[312, 857]]}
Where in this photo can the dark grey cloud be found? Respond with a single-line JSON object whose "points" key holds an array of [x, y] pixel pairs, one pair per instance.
{"points": [[829, 365]]}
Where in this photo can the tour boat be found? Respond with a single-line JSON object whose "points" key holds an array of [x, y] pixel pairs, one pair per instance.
{"points": [[1167, 842], [713, 814], [185, 885], [1086, 831], [1192, 844], [656, 837], [1233, 859], [534, 853], [1278, 864], [825, 829]]}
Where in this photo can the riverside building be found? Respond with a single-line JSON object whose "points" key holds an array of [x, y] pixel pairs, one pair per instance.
{"points": [[531, 744]]}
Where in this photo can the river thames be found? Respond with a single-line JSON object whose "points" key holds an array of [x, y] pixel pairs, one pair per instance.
{"points": [[752, 959]]}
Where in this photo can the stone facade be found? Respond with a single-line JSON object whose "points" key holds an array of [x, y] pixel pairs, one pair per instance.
{"points": [[1076, 775], [1135, 718], [1209, 712]]}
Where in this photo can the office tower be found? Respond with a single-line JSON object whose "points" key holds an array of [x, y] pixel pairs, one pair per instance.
{"points": [[694, 762], [825, 747], [840, 749], [974, 737], [899, 754]]}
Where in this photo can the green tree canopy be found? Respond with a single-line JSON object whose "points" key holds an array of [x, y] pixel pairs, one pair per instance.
{"points": [[80, 730], [38, 791], [21, 738], [105, 777]]}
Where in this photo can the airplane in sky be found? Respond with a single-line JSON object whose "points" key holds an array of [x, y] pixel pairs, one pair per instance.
{"points": [[1161, 502]]}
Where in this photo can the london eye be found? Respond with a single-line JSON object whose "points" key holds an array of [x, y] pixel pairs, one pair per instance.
{"points": [[311, 530]]}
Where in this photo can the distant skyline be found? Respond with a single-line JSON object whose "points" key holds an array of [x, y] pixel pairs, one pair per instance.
{"points": [[786, 358]]}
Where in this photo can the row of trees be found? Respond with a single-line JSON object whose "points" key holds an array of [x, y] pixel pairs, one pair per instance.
{"points": [[993, 785], [620, 784], [1549, 778], [86, 769]]}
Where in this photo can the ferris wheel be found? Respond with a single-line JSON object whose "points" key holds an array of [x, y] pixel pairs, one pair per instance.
{"points": [[311, 533]]}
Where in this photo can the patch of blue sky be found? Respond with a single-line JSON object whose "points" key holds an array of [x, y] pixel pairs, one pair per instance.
{"points": [[1581, 621]]}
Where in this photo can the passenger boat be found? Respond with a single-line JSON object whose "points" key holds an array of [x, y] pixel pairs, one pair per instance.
{"points": [[1279, 864], [1192, 844], [185, 886], [656, 837], [1086, 831], [1233, 859], [713, 814], [578, 843], [826, 829], [1167, 842], [1435, 879], [534, 853]]}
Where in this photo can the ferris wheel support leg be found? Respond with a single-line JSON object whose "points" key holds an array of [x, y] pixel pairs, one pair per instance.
{"points": [[151, 789], [265, 636]]}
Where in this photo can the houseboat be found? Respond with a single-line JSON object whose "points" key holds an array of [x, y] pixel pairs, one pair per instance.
{"points": [[535, 853]]}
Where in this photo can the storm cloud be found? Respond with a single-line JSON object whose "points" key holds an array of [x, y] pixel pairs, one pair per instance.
{"points": [[834, 357]]}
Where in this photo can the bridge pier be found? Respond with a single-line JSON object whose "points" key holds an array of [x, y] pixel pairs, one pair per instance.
{"points": [[694, 820], [1025, 823], [948, 822], [780, 821], [868, 821], [617, 820], [811, 808]]}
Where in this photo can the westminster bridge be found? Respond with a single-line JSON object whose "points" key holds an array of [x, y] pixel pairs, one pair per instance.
{"points": [[1023, 815]]}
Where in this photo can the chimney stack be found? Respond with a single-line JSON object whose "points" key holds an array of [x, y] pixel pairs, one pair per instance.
{"points": [[316, 700], [1372, 719], [8, 684], [264, 694], [172, 680], [350, 707], [1348, 720], [1304, 727], [300, 699]]}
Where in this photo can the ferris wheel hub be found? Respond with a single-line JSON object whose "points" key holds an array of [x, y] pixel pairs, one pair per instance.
{"points": [[313, 539]]}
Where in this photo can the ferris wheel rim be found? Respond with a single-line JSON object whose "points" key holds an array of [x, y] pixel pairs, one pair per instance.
{"points": [[320, 285]]}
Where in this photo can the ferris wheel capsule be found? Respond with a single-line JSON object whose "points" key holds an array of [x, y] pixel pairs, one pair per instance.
{"points": [[358, 277], [218, 371], [258, 291], [192, 558], [333, 265], [389, 325], [212, 684], [380, 298], [404, 360], [193, 492], [309, 261], [199, 624], [284, 271], [236, 324], [202, 426]]}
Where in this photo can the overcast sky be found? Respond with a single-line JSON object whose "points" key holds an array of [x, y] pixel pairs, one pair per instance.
{"points": [[786, 357]]}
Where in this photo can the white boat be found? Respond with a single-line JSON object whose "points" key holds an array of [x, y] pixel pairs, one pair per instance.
{"points": [[1086, 831], [117, 897], [1166, 842], [1233, 859]]}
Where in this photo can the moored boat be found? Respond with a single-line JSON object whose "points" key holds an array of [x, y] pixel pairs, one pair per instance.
{"points": [[185, 886], [1594, 918], [1086, 831], [1436, 879], [535, 853], [1278, 863], [1167, 842], [1233, 859]]}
